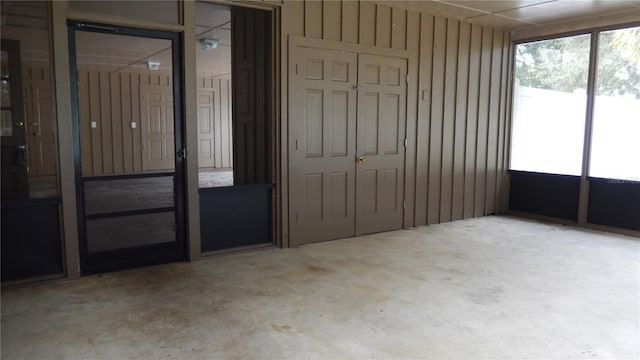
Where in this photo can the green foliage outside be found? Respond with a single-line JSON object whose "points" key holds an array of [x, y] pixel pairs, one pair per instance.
{"points": [[563, 64]]}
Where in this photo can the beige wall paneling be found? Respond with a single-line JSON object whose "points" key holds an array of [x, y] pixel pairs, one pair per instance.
{"points": [[126, 117], [112, 101], [412, 44], [350, 21], [424, 117], [116, 125], [399, 29], [135, 114], [93, 96], [332, 20], [437, 107], [483, 122], [106, 123], [367, 21], [313, 19], [504, 47], [472, 121], [383, 26], [494, 126], [460, 130], [462, 100], [507, 119], [449, 117]]}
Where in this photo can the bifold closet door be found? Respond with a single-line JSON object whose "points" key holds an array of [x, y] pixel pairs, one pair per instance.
{"points": [[322, 145], [381, 126], [347, 144]]}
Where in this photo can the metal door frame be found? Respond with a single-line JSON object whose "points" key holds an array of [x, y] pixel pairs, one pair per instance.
{"points": [[142, 255]]}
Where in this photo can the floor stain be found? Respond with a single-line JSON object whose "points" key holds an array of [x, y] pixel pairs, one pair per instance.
{"points": [[319, 269], [281, 328]]}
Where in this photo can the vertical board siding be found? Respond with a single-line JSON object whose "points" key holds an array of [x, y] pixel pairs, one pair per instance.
{"points": [[494, 118], [462, 120], [331, 20], [116, 124], [367, 22], [127, 131], [313, 19], [112, 101], [462, 98], [383, 26], [448, 135], [472, 121], [424, 120], [350, 22], [462, 95], [437, 119], [482, 130], [399, 31], [251, 143]]}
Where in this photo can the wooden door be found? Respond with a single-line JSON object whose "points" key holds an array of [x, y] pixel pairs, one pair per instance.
{"points": [[206, 128], [381, 123], [12, 130], [40, 128], [322, 145], [158, 143]]}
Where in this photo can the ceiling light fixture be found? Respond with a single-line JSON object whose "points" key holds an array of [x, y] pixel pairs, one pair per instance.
{"points": [[209, 44]]}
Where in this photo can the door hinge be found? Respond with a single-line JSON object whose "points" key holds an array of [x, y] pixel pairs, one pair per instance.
{"points": [[407, 78], [404, 204], [296, 69], [405, 142]]}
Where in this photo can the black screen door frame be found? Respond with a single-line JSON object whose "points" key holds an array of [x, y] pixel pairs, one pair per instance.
{"points": [[131, 257]]}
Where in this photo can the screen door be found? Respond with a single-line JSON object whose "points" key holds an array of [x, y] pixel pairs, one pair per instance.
{"points": [[128, 146]]}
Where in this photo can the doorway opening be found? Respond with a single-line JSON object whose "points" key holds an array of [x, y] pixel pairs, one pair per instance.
{"points": [[236, 131]]}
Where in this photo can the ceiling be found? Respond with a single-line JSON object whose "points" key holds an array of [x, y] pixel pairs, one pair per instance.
{"points": [[27, 21], [519, 14]]}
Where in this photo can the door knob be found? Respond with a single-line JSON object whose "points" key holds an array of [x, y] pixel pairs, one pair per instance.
{"points": [[361, 159]]}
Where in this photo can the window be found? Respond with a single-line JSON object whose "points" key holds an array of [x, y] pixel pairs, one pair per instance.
{"points": [[616, 117], [550, 96]]}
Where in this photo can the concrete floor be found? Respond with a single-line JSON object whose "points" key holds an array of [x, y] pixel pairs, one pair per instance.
{"points": [[493, 287]]}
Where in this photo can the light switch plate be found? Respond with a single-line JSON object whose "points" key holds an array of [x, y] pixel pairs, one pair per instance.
{"points": [[134, 125], [94, 124]]}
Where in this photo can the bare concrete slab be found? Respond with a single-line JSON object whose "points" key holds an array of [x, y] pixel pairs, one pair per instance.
{"points": [[493, 287]]}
